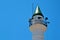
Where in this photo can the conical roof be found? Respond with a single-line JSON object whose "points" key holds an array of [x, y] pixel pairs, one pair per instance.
{"points": [[38, 11]]}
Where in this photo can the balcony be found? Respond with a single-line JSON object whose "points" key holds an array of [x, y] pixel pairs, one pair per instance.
{"points": [[31, 22]]}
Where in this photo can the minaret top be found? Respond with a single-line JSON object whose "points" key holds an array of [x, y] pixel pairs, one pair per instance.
{"points": [[38, 18], [38, 11]]}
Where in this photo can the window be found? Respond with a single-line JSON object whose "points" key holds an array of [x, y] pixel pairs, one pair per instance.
{"points": [[39, 17]]}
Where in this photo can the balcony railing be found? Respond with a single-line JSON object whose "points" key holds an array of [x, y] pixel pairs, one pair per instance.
{"points": [[38, 21]]}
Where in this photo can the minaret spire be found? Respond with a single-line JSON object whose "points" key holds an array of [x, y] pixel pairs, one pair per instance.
{"points": [[37, 10]]}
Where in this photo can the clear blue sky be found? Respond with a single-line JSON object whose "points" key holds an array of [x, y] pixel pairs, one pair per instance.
{"points": [[14, 16]]}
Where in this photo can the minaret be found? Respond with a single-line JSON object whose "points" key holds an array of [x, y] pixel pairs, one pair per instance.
{"points": [[38, 25]]}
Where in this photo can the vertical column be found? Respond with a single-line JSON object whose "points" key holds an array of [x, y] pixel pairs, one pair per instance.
{"points": [[38, 35]]}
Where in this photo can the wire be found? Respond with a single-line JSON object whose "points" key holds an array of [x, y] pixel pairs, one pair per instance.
{"points": [[32, 7], [36, 2]]}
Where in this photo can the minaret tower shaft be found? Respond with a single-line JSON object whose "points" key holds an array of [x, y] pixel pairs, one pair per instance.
{"points": [[37, 25]]}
